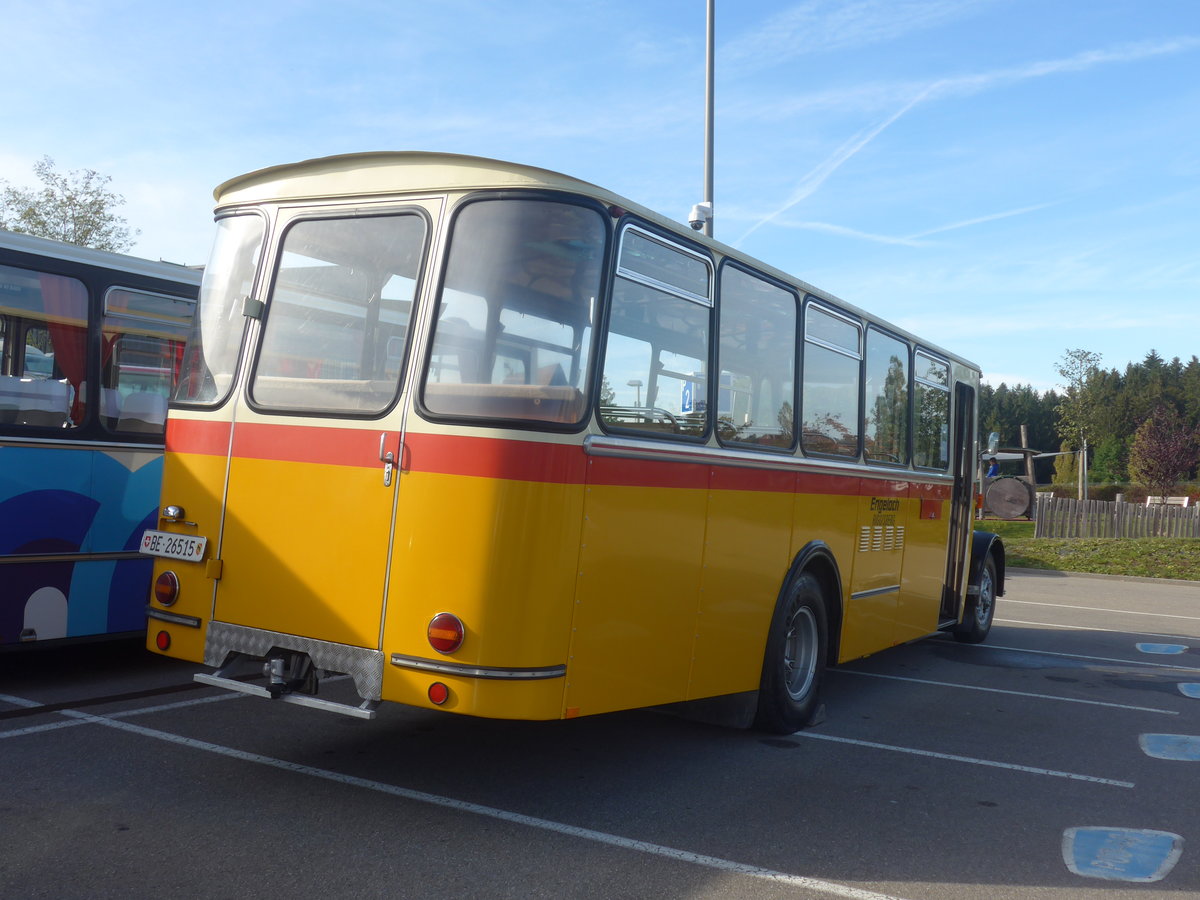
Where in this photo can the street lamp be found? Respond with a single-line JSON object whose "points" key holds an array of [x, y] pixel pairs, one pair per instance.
{"points": [[636, 383], [702, 213]]}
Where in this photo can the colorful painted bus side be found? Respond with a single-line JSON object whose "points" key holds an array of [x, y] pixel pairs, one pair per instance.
{"points": [[89, 344]]}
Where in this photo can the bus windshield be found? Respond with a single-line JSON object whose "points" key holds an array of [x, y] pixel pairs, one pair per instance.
{"points": [[212, 352]]}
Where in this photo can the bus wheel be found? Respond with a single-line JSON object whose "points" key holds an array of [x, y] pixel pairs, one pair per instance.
{"points": [[981, 607], [794, 662]]}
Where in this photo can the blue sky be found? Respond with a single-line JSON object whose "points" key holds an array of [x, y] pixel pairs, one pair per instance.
{"points": [[1008, 178]]}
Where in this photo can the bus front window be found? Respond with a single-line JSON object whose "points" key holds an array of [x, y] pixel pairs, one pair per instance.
{"points": [[210, 362]]}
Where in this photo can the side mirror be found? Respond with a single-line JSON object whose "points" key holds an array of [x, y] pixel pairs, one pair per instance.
{"points": [[993, 443]]}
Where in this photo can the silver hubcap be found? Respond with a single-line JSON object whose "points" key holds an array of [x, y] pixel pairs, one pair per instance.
{"points": [[987, 597], [800, 653]]}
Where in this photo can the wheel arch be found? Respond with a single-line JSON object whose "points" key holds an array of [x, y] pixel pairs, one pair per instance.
{"points": [[817, 559], [983, 545]]}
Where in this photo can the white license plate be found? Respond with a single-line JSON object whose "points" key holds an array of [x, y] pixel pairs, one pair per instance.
{"points": [[173, 546]]}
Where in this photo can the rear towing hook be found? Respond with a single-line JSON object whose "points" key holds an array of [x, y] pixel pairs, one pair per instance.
{"points": [[277, 685], [287, 674]]}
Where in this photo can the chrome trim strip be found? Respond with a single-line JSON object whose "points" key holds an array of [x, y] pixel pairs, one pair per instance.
{"points": [[60, 444], [173, 618], [467, 671], [71, 557], [616, 447], [877, 592]]}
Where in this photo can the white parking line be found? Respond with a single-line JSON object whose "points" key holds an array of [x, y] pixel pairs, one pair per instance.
{"points": [[1085, 628], [1135, 663], [1128, 612], [953, 757], [601, 837], [990, 690], [123, 714]]}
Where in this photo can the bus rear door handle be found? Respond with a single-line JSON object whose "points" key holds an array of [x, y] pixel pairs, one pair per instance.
{"points": [[388, 458]]}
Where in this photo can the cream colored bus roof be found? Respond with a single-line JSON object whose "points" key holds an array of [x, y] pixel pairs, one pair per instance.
{"points": [[384, 173], [392, 172]]}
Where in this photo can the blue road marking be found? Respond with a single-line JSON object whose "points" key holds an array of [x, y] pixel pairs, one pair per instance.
{"points": [[1121, 854], [1163, 649], [1190, 690], [1171, 746]]}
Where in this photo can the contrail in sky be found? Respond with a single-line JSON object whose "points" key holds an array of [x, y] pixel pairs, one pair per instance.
{"points": [[818, 176]]}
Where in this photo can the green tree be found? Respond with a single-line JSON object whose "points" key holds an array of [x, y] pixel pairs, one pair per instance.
{"points": [[76, 207], [1066, 471], [1108, 465], [1079, 411]]}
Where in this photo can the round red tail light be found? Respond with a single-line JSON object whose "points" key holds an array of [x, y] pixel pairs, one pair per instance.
{"points": [[166, 588], [162, 641], [446, 632], [438, 693]]}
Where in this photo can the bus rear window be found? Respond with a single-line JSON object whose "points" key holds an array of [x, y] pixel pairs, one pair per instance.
{"points": [[514, 320], [337, 322]]}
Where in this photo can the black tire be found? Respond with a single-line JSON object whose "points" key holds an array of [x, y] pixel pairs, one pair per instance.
{"points": [[981, 607], [794, 661]]}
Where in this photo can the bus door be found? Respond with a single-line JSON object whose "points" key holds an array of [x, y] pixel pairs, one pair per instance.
{"points": [[962, 461], [311, 487]]}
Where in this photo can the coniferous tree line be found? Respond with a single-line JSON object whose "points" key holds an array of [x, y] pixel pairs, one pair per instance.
{"points": [[1107, 407]]}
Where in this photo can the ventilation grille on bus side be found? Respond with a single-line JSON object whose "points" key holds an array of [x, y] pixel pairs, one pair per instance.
{"points": [[880, 537]]}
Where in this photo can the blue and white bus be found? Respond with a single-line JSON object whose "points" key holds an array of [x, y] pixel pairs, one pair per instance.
{"points": [[90, 347]]}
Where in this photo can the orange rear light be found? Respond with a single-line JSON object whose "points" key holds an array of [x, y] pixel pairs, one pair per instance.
{"points": [[166, 588], [446, 632]]}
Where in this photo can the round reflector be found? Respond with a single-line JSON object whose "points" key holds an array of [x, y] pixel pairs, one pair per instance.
{"points": [[166, 588], [446, 632], [162, 641], [438, 693]]}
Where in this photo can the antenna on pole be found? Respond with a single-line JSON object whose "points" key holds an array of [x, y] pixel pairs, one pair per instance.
{"points": [[702, 213]]}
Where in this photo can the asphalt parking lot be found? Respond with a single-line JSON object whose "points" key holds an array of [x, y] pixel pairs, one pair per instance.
{"points": [[1059, 759]]}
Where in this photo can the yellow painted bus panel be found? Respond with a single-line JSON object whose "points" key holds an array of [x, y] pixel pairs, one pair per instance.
{"points": [[639, 559], [540, 699], [831, 519], [877, 560], [307, 549], [499, 554], [746, 560], [194, 482], [924, 573]]}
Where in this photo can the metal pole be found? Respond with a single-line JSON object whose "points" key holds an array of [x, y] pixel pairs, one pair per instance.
{"points": [[708, 119]]}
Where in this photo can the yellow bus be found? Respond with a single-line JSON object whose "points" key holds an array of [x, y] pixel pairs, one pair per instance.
{"points": [[492, 440]]}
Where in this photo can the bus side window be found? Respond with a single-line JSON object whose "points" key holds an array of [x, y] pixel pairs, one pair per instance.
{"points": [[931, 435], [656, 357], [885, 429], [44, 349], [142, 350], [830, 394], [757, 360], [514, 321]]}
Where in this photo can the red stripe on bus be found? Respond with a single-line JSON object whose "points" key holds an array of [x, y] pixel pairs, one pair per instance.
{"points": [[194, 436], [516, 460], [309, 444], [622, 472], [491, 458]]}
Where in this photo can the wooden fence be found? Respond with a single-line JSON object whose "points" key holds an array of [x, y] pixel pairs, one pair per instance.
{"points": [[1059, 517]]}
